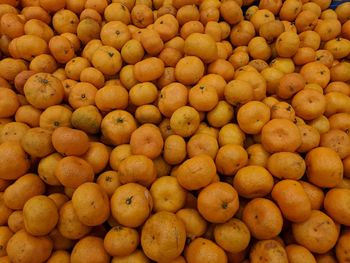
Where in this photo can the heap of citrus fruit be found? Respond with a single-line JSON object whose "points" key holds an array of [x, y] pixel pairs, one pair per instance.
{"points": [[174, 131]]}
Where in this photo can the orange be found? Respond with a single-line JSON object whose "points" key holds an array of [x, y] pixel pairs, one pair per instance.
{"points": [[204, 251], [167, 194], [167, 26], [296, 253], [75, 66], [59, 255], [155, 239], [132, 51], [121, 241], [316, 72], [253, 181], [307, 233], [131, 204], [68, 141], [253, 110], [185, 121], [5, 211], [107, 60], [59, 199], [91, 204], [93, 76], [82, 94], [259, 49], [202, 144], [220, 115], [195, 224], [88, 29], [87, 118], [55, 116], [269, 251], [37, 142], [14, 161], [230, 158], [8, 103], [287, 44], [143, 93], [35, 248], [6, 234], [314, 193], [13, 132], [189, 70], [232, 230], [223, 68], [89, 248], [324, 167], [117, 127], [202, 46], [39, 209], [218, 202], [310, 138], [309, 104], [263, 218], [148, 69], [170, 56], [290, 84], [61, 49], [292, 200], [151, 41], [29, 115], [29, 185], [109, 181], [335, 204], [118, 154], [196, 172], [216, 81], [68, 223], [137, 169], [280, 135], [292, 167], [238, 92], [21, 79], [187, 13], [256, 80], [141, 15], [39, 89], [257, 155], [342, 246], [115, 40], [282, 110], [206, 129], [73, 171], [147, 140], [338, 141], [46, 169], [338, 86], [110, 98], [137, 256], [97, 156], [231, 134], [203, 97]]}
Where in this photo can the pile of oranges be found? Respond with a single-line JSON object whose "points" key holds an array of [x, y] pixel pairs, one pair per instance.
{"points": [[174, 131]]}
